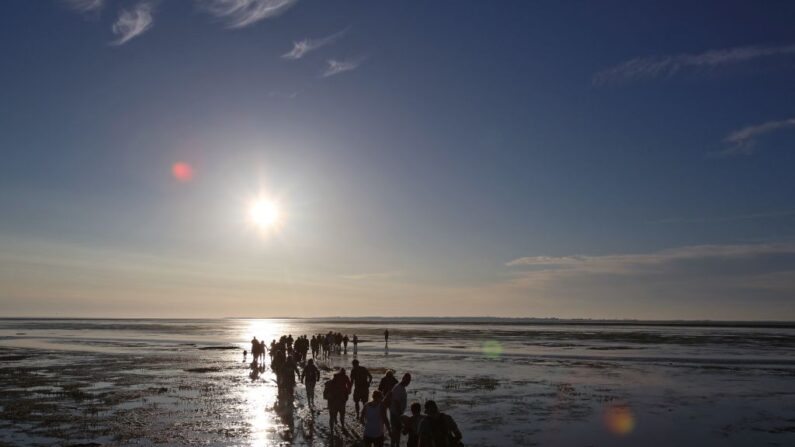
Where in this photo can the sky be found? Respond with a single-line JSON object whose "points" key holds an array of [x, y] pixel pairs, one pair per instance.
{"points": [[572, 159]]}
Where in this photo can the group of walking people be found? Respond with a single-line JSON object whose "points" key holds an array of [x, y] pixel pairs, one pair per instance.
{"points": [[384, 415], [386, 412]]}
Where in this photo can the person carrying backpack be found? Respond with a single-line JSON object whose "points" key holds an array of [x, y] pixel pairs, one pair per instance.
{"points": [[438, 429], [336, 392]]}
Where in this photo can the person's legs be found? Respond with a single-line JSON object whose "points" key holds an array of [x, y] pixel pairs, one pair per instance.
{"points": [[394, 436], [332, 414], [342, 415], [378, 442]]}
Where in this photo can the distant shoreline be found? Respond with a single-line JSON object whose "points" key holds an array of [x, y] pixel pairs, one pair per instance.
{"points": [[463, 320]]}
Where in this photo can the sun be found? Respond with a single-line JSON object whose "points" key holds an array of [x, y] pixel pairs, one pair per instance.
{"points": [[264, 214]]}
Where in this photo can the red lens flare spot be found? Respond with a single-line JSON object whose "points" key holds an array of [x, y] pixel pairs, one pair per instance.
{"points": [[619, 420], [182, 171]]}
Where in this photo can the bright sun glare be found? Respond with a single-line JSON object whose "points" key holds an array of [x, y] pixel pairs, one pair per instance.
{"points": [[264, 214]]}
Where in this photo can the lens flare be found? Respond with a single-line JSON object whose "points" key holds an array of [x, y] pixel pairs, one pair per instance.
{"points": [[182, 171], [619, 420], [492, 349]]}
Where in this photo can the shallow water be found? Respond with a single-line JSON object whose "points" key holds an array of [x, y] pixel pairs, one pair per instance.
{"points": [[148, 382]]}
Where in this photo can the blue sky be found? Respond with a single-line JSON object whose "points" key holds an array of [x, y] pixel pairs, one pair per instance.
{"points": [[570, 159]]}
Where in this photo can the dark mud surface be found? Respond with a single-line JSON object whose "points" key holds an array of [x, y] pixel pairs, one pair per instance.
{"points": [[177, 392]]}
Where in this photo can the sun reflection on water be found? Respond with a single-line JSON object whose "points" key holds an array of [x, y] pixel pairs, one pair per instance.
{"points": [[262, 329], [259, 405], [260, 394]]}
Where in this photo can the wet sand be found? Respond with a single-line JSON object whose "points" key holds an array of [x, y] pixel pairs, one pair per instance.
{"points": [[121, 384]]}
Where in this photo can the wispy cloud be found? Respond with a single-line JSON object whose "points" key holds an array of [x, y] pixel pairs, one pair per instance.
{"points": [[671, 65], [335, 67], [132, 22], [742, 281], [85, 5], [743, 141], [242, 13], [629, 263], [545, 261], [718, 219], [283, 94], [302, 47], [374, 275]]}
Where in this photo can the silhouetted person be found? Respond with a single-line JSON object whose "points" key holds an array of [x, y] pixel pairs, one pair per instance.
{"points": [[345, 344], [373, 420], [411, 425], [438, 429], [355, 344], [387, 383], [361, 379], [254, 348], [337, 394], [397, 406], [386, 337], [309, 377], [245, 353]]}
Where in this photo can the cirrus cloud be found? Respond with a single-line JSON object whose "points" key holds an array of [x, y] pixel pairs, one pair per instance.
{"points": [[302, 47], [85, 5], [242, 13], [743, 141], [132, 23], [335, 67], [670, 65]]}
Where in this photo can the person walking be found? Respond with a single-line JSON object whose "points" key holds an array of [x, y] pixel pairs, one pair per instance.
{"points": [[438, 429], [361, 379], [336, 392], [309, 377], [373, 419], [411, 425], [386, 383], [397, 406]]}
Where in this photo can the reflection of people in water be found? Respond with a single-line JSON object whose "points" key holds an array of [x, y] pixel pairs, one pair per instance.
{"points": [[309, 377], [287, 377], [374, 419], [256, 370]]}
